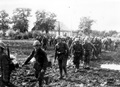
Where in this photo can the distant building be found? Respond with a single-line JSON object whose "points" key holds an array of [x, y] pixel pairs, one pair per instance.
{"points": [[62, 32], [60, 29]]}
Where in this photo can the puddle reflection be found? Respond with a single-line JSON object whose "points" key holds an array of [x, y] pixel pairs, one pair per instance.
{"points": [[111, 66]]}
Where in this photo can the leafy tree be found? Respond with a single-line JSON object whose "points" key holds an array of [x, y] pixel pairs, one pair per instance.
{"points": [[45, 21], [20, 19], [10, 33], [95, 33], [4, 20], [112, 32], [85, 25]]}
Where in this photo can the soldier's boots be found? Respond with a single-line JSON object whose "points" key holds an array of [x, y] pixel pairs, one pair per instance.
{"points": [[61, 77], [66, 75], [76, 70]]}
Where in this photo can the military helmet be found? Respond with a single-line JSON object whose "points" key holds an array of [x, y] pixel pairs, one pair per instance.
{"points": [[76, 39], [58, 37], [86, 39], [36, 43], [2, 45]]}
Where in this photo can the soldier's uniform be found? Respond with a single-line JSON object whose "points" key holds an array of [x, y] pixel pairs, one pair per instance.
{"points": [[97, 44], [106, 44], [116, 43], [44, 42], [88, 47], [41, 62], [77, 51], [61, 53], [5, 70], [69, 42]]}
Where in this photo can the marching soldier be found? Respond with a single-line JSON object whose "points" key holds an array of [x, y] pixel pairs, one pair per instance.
{"points": [[44, 42], [98, 45], [40, 63], [70, 42], [77, 51], [88, 47], [116, 43], [5, 69], [61, 53]]}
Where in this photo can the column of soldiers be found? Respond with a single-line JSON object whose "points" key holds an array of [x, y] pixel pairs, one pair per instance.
{"points": [[81, 49], [110, 44], [46, 41]]}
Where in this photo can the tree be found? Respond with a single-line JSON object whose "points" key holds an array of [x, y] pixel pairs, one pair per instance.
{"points": [[4, 20], [45, 21], [85, 25], [112, 32], [10, 33], [95, 33], [20, 19]]}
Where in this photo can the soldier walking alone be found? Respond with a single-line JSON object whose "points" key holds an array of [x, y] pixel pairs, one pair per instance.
{"points": [[61, 53]]}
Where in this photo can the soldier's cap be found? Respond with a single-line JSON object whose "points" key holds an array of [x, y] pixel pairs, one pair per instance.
{"points": [[2, 44], [36, 43]]}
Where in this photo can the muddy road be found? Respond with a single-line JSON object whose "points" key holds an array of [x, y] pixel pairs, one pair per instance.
{"points": [[93, 77]]}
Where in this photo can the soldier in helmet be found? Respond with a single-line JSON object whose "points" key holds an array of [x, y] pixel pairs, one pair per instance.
{"points": [[44, 42], [5, 69], [88, 47], [41, 62], [77, 51], [61, 53], [97, 44]]}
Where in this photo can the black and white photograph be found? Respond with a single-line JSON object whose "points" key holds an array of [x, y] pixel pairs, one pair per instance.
{"points": [[59, 43]]}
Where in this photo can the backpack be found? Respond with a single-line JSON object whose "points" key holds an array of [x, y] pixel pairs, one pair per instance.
{"points": [[77, 48], [61, 47]]}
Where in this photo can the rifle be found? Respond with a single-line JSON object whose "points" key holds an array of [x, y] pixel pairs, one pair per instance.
{"points": [[8, 51], [12, 66]]}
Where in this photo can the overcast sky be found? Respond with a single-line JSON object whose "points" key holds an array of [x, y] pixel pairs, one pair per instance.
{"points": [[106, 13]]}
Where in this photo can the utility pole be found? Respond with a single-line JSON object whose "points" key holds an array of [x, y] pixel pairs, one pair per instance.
{"points": [[58, 28]]}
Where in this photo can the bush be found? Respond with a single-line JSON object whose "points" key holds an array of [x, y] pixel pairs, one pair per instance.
{"points": [[35, 34], [25, 36], [10, 33], [19, 36], [29, 34]]}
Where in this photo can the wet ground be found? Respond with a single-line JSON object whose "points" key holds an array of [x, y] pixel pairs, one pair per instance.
{"points": [[103, 72]]}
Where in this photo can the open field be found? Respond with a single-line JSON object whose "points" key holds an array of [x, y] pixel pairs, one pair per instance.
{"points": [[21, 47]]}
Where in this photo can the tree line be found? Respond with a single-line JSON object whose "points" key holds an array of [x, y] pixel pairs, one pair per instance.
{"points": [[45, 21]]}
